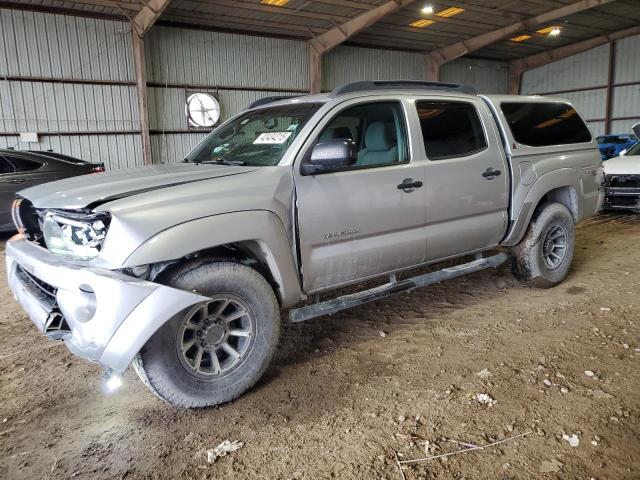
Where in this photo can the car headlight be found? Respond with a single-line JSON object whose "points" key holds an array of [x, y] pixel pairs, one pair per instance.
{"points": [[78, 236]]}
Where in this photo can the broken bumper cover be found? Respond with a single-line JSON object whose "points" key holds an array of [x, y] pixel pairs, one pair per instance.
{"points": [[622, 192], [101, 315]]}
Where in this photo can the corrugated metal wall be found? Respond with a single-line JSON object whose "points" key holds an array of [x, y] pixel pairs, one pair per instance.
{"points": [[626, 99], [70, 79], [351, 64], [485, 75], [583, 79], [237, 69]]}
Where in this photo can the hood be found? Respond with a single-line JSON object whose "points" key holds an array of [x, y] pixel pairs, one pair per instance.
{"points": [[95, 189], [626, 165]]}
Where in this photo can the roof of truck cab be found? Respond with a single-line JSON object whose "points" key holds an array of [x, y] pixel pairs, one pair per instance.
{"points": [[327, 97], [497, 99]]}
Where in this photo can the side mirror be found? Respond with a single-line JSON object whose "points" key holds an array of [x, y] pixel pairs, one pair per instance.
{"points": [[329, 156]]}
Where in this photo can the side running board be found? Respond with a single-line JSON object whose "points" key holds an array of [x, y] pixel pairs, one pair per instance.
{"points": [[376, 293]]}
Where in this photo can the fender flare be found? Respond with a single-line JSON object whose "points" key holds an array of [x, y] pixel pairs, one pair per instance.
{"points": [[260, 226], [560, 178]]}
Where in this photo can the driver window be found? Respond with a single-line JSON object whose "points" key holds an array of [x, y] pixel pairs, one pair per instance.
{"points": [[377, 129]]}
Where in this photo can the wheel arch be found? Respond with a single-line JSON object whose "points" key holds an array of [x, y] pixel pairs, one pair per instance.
{"points": [[255, 238], [559, 186]]}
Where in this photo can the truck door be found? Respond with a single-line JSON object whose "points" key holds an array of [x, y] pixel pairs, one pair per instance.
{"points": [[467, 177], [367, 219]]}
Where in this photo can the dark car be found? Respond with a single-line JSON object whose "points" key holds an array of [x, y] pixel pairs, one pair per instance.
{"points": [[611, 145], [22, 169]]}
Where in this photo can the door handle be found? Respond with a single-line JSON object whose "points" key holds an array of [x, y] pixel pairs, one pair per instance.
{"points": [[409, 185], [490, 173]]}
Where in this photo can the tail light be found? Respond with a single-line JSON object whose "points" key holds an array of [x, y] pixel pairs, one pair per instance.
{"points": [[98, 169]]}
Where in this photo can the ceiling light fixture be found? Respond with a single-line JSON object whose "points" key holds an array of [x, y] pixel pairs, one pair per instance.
{"points": [[521, 38], [275, 3], [421, 23], [553, 31], [427, 10], [450, 12]]}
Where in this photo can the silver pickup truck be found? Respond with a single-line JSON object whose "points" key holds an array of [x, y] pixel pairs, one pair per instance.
{"points": [[182, 269]]}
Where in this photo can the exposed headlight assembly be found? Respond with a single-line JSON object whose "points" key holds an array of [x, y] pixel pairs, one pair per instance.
{"points": [[78, 236]]}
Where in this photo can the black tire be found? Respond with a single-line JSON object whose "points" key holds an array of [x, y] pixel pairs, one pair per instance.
{"points": [[163, 368], [530, 262]]}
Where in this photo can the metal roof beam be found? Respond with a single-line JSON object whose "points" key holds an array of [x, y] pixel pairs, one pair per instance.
{"points": [[540, 59], [339, 34], [332, 38], [519, 66], [441, 56], [147, 16]]}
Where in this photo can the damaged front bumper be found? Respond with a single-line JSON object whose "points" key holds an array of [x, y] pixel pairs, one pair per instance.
{"points": [[622, 192], [101, 315]]}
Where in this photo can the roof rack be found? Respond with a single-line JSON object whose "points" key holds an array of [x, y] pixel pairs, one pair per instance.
{"points": [[401, 85], [267, 100]]}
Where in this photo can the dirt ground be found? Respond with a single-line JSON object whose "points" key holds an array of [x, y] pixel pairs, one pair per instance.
{"points": [[346, 391]]}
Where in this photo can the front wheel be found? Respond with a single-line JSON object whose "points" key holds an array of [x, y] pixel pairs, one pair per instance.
{"points": [[215, 351], [543, 257]]}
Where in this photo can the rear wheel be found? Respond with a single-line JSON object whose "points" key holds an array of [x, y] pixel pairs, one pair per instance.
{"points": [[543, 257], [215, 351]]}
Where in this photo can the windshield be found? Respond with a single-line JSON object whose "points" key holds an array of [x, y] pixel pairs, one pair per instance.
{"points": [[615, 139], [257, 138], [635, 150]]}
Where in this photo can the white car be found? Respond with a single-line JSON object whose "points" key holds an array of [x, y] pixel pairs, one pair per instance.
{"points": [[622, 179]]}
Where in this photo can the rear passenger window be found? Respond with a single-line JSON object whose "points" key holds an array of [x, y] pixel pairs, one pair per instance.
{"points": [[450, 129], [5, 167], [539, 124], [23, 165]]}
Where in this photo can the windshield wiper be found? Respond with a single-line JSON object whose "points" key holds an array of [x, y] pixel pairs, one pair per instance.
{"points": [[221, 161]]}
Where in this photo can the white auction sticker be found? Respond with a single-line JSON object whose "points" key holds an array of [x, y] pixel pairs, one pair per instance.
{"points": [[274, 138]]}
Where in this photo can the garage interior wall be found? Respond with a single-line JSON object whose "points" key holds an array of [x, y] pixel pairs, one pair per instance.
{"points": [[350, 64], [237, 69], [71, 80], [346, 64], [583, 79], [486, 76]]}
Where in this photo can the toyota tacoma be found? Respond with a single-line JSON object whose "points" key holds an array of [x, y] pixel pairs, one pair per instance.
{"points": [[182, 270]]}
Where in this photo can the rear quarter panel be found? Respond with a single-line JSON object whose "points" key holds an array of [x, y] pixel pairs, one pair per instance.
{"points": [[538, 170]]}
